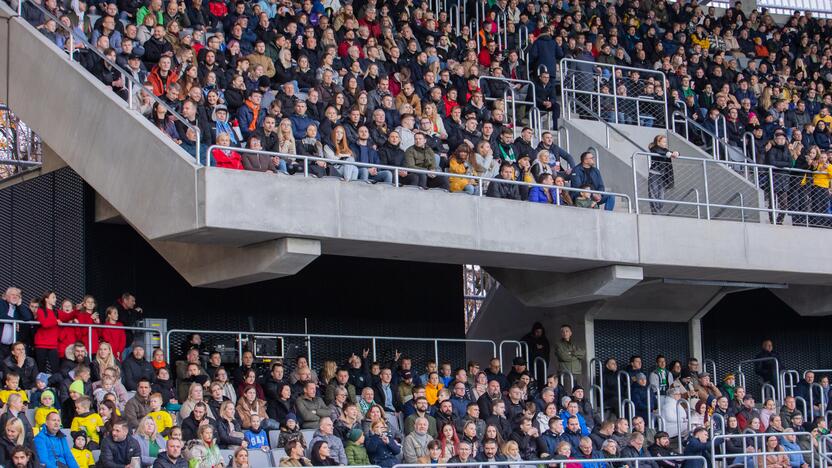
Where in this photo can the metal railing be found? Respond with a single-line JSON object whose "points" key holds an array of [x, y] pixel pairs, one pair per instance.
{"points": [[791, 190], [705, 362], [818, 8], [597, 363], [793, 377], [244, 336], [626, 376], [20, 148], [132, 84], [802, 401], [741, 375], [395, 170], [572, 461], [822, 403], [578, 83], [90, 327], [608, 127], [679, 433], [759, 451], [545, 368], [519, 348], [562, 379], [536, 125], [715, 140]]}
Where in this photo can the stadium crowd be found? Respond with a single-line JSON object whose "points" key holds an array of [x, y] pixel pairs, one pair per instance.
{"points": [[136, 409]]}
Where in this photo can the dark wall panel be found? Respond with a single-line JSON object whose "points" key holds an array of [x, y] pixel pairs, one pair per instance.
{"points": [[622, 339]]}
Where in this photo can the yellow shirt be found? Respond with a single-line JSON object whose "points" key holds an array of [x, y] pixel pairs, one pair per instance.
{"points": [[84, 457], [89, 424], [40, 416], [827, 119], [432, 392], [822, 177], [163, 419], [4, 395]]}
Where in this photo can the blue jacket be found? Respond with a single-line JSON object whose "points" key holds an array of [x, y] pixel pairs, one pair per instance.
{"points": [[53, 448], [565, 416], [545, 51], [595, 455], [795, 459], [382, 454], [695, 447], [244, 118], [460, 405], [538, 195], [300, 124], [592, 177], [549, 441]]}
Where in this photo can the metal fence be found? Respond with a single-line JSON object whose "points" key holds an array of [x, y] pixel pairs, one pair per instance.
{"points": [[757, 451], [90, 327], [739, 191], [623, 461], [622, 95], [21, 149]]}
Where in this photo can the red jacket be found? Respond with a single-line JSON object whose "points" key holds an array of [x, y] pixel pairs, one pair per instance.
{"points": [[116, 338], [82, 334], [46, 336], [67, 336], [232, 160]]}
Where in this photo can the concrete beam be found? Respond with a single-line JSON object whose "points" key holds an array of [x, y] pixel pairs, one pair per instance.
{"points": [[215, 266], [105, 212], [808, 301], [537, 289]]}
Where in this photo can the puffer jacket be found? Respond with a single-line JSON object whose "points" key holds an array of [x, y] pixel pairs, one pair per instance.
{"points": [[420, 158]]}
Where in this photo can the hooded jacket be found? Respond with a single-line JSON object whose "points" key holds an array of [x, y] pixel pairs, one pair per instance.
{"points": [[52, 449]]}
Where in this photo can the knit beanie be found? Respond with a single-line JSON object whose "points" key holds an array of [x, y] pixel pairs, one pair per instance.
{"points": [[49, 393], [355, 434], [77, 387]]}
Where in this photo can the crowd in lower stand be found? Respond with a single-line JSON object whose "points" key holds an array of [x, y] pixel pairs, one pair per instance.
{"points": [[114, 406]]}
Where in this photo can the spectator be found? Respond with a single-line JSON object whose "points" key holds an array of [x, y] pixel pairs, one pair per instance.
{"points": [[136, 368], [11, 304], [51, 446], [382, 448], [139, 406], [326, 433], [294, 455], [586, 174], [46, 336], [310, 407], [149, 440], [19, 364], [673, 415], [660, 177], [356, 453], [415, 444], [172, 456], [569, 355], [205, 452]]}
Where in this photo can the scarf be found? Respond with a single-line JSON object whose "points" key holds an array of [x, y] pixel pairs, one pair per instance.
{"points": [[255, 110]]}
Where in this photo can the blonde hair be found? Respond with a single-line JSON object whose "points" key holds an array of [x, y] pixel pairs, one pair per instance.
{"points": [[107, 362], [141, 429], [328, 370], [21, 433], [193, 387], [510, 445]]}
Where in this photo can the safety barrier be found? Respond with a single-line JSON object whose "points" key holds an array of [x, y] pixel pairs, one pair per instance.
{"points": [[822, 403], [759, 451], [597, 363], [562, 380], [585, 81], [572, 461], [244, 336], [545, 366], [789, 379], [714, 375], [520, 347], [89, 327], [679, 421], [480, 191], [626, 376]]}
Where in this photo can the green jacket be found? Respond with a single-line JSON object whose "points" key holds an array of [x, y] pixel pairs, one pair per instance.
{"points": [[356, 454], [420, 158], [569, 357]]}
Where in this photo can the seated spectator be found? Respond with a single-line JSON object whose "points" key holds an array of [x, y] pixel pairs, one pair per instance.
{"points": [[415, 444], [586, 175], [139, 406], [17, 362], [118, 448], [172, 456], [51, 447], [135, 368], [310, 407], [229, 429], [255, 436], [326, 434], [295, 455], [382, 448], [205, 452], [149, 440]]}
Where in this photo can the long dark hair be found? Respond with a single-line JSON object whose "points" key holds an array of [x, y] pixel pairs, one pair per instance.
{"points": [[315, 456]]}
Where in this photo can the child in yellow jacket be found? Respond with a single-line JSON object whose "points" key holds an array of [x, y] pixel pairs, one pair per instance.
{"points": [[83, 456], [87, 421], [47, 405]]}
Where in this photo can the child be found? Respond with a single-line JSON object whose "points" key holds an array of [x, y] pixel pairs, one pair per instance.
{"points": [[584, 200], [164, 422], [47, 405], [76, 391], [356, 453], [87, 421], [40, 387], [80, 452], [256, 436], [290, 431], [12, 382], [176, 433]]}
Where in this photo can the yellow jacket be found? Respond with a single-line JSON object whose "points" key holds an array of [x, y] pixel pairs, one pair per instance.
{"points": [[88, 423], [432, 392], [4, 395], [458, 183], [163, 420], [84, 457]]}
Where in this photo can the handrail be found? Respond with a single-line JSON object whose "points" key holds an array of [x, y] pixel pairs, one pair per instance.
{"points": [[309, 336], [571, 376], [701, 128], [763, 359], [396, 169], [545, 368], [679, 422], [577, 461], [763, 388], [618, 388], [763, 451], [742, 205], [609, 126], [714, 417], [805, 406], [713, 366], [628, 405], [791, 373], [650, 404], [89, 327], [511, 81], [823, 403], [595, 153], [772, 172], [745, 147], [131, 81], [600, 385], [695, 191], [518, 350]]}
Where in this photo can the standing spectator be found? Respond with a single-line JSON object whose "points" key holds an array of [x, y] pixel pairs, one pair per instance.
{"points": [[778, 155], [660, 177], [46, 336], [538, 346], [115, 336], [11, 308], [569, 355], [766, 369], [129, 314]]}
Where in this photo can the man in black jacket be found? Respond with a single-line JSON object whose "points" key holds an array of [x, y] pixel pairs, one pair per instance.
{"points": [[21, 365], [777, 155], [172, 456], [118, 448], [508, 191], [135, 368]]}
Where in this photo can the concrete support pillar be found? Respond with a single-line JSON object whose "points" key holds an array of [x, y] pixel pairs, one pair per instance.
{"points": [[695, 338]]}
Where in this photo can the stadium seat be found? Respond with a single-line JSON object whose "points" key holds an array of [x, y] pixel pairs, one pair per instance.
{"points": [[258, 458], [273, 438]]}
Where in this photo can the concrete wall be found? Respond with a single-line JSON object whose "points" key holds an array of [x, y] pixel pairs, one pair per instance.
{"points": [[120, 154]]}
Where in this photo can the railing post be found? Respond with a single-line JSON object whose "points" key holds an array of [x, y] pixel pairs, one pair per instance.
{"points": [[436, 351], [614, 96], [707, 196], [130, 98], [771, 193], [71, 43], [374, 350]]}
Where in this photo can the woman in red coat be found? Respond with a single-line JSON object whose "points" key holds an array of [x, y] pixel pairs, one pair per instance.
{"points": [[46, 336], [116, 337], [226, 158]]}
